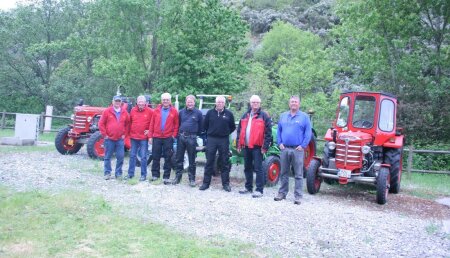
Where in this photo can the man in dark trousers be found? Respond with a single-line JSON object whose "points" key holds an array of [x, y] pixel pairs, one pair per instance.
{"points": [[254, 135], [113, 126], [293, 136], [191, 120], [219, 124], [162, 132]]}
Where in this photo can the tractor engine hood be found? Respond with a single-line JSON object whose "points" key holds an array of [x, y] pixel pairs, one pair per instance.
{"points": [[89, 109], [355, 137]]}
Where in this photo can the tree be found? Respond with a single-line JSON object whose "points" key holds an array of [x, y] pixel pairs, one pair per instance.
{"points": [[298, 65], [203, 48], [29, 59], [396, 46]]}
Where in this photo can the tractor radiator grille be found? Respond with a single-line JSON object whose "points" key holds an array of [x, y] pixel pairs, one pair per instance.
{"points": [[80, 122], [348, 154]]}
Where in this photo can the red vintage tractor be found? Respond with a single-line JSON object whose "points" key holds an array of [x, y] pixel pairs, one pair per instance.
{"points": [[84, 130], [364, 145]]}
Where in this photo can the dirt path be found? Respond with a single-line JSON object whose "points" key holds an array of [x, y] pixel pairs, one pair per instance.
{"points": [[336, 222]]}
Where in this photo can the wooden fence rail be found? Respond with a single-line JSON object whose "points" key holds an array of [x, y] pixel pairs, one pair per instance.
{"points": [[41, 121]]}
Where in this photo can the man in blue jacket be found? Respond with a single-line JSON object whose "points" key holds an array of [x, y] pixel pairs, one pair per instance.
{"points": [[294, 134]]}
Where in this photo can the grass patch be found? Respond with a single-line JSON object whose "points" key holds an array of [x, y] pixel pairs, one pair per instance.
{"points": [[46, 137], [42, 225], [426, 185], [25, 149]]}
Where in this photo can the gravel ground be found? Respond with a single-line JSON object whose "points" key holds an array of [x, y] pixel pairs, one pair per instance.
{"points": [[329, 224]]}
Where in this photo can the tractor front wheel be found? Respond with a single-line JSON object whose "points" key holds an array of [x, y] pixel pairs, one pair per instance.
{"points": [[65, 144], [95, 146], [326, 163], [382, 185], [271, 168], [313, 181], [394, 158]]}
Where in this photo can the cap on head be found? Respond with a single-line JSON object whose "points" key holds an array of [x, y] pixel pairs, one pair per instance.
{"points": [[117, 98]]}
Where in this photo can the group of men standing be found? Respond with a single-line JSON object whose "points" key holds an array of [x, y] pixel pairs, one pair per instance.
{"points": [[162, 125]]}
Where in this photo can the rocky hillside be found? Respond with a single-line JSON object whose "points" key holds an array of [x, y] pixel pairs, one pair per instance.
{"points": [[312, 15]]}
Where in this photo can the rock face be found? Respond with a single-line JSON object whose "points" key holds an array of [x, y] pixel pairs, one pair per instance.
{"points": [[261, 21], [317, 18]]}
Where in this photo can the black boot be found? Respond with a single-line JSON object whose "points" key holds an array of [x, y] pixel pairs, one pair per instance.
{"points": [[177, 179], [203, 187]]}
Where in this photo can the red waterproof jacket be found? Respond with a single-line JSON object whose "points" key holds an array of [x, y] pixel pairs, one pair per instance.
{"points": [[170, 128], [260, 132], [111, 127], [139, 122]]}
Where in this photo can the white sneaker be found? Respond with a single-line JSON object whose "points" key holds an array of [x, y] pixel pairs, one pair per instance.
{"points": [[257, 194]]}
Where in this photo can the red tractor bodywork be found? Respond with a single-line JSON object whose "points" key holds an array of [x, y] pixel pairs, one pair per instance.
{"points": [[362, 143], [84, 130]]}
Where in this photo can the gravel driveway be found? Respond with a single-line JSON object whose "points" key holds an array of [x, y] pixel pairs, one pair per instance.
{"points": [[328, 224]]}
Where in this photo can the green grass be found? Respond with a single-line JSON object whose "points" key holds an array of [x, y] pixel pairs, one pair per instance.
{"points": [[46, 137], [428, 186], [36, 224], [25, 149]]}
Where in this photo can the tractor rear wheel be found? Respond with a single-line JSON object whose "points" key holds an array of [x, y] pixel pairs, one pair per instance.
{"points": [[271, 168], [382, 185], [65, 144], [95, 146], [394, 158], [309, 153], [313, 181]]}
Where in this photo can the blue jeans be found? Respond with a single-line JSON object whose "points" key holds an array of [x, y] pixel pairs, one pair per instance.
{"points": [[116, 147], [142, 147]]}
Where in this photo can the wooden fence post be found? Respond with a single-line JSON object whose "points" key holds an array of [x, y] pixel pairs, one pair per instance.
{"points": [[41, 123], [2, 123], [410, 160]]}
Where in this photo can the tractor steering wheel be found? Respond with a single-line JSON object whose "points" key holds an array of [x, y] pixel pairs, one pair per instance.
{"points": [[362, 124]]}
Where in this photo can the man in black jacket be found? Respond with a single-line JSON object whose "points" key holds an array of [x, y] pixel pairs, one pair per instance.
{"points": [[219, 124], [191, 120]]}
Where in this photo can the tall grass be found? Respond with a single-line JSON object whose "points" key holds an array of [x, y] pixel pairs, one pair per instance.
{"points": [[426, 185]]}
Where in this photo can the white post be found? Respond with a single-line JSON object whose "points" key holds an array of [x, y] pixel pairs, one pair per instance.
{"points": [[48, 119], [177, 104]]}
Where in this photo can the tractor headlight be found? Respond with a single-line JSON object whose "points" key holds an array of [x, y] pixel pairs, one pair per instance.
{"points": [[89, 119], [365, 149], [331, 145]]}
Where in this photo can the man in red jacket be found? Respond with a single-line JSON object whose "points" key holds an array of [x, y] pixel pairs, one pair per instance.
{"points": [[113, 126], [254, 136], [140, 118], [162, 132]]}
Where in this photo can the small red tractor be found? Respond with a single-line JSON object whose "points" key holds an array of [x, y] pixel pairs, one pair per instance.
{"points": [[364, 145], [84, 130]]}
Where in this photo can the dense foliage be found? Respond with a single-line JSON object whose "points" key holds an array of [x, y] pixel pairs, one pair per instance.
{"points": [[57, 51]]}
